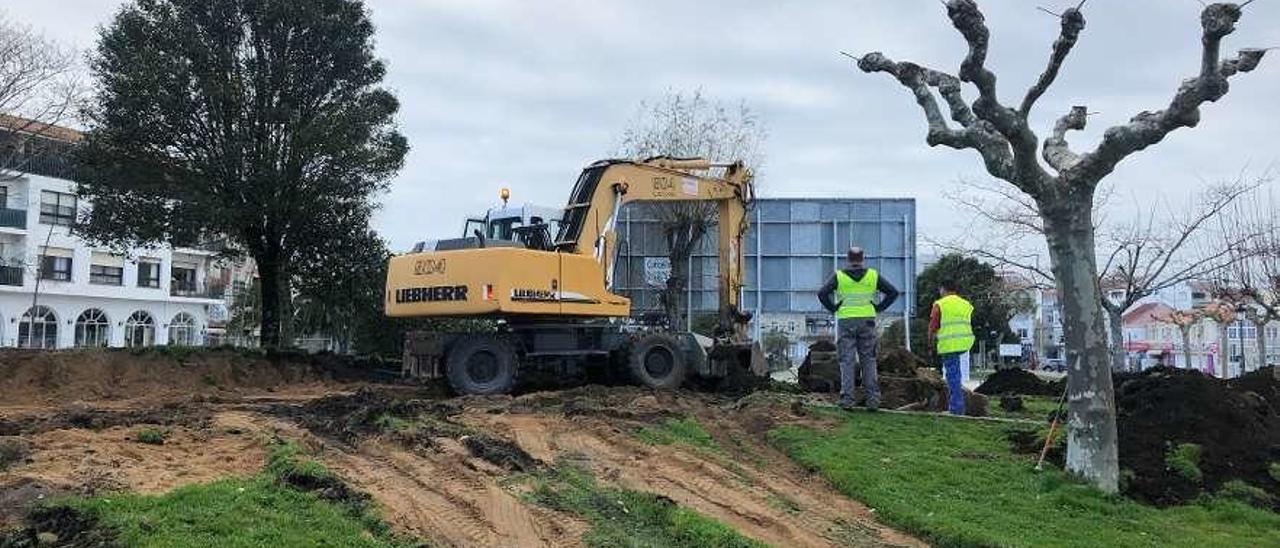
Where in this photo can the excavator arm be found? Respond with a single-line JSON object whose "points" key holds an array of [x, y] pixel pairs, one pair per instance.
{"points": [[591, 216]]}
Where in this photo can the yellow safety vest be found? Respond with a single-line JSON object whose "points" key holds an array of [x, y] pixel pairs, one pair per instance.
{"points": [[857, 299], [955, 331]]}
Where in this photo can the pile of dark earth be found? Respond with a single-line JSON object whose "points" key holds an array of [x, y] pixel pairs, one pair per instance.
{"points": [[1183, 434], [1020, 382]]}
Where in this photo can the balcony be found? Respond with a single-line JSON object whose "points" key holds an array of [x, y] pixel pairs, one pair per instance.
{"points": [[13, 218], [196, 291], [11, 275]]}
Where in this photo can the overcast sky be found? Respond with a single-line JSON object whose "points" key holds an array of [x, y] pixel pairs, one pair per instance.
{"points": [[524, 93]]}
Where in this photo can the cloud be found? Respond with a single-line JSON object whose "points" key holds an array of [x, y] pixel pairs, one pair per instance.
{"points": [[523, 94]]}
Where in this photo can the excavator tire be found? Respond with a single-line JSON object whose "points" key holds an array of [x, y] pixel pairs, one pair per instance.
{"points": [[481, 364], [658, 362]]}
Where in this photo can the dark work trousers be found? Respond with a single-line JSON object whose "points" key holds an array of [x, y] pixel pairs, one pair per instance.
{"points": [[858, 340]]}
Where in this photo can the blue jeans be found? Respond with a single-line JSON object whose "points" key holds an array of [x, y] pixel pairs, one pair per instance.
{"points": [[955, 386]]}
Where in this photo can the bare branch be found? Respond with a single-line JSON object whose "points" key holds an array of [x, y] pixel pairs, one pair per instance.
{"points": [[976, 135], [39, 88], [1072, 24], [968, 19], [1149, 128], [1057, 152]]}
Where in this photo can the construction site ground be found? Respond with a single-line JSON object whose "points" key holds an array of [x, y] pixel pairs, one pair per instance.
{"points": [[451, 471]]}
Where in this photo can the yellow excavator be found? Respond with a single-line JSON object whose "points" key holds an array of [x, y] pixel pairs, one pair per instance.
{"points": [[549, 295]]}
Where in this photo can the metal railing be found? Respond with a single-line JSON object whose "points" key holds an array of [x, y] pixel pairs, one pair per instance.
{"points": [[11, 275], [197, 291], [13, 218]]}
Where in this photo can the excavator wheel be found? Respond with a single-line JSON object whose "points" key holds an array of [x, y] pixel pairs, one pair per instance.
{"points": [[657, 361], [481, 364]]}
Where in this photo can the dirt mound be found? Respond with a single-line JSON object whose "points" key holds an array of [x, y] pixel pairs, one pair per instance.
{"points": [[37, 377], [1160, 411], [899, 362], [500, 452], [60, 526], [169, 414], [1020, 382], [1261, 382], [374, 410]]}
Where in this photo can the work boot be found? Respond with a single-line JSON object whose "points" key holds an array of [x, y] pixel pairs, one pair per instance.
{"points": [[845, 403], [873, 406]]}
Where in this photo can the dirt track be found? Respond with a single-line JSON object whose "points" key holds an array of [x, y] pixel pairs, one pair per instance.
{"points": [[430, 482]]}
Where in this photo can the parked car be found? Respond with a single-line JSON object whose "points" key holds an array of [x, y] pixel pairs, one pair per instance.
{"points": [[1054, 364]]}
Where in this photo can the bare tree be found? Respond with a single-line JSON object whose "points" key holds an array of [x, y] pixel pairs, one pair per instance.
{"points": [[1151, 249], [1222, 313], [1011, 152], [40, 87], [1184, 320], [690, 125], [1252, 283]]}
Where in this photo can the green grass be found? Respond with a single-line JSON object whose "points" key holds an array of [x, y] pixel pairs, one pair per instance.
{"points": [[241, 512], [1035, 408], [956, 483], [626, 518], [687, 431], [1185, 460], [151, 436]]}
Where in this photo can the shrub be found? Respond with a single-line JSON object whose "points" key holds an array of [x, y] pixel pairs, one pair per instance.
{"points": [[1240, 491], [151, 436], [1184, 459]]}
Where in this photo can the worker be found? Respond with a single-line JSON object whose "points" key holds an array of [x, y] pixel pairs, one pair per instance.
{"points": [[855, 314], [951, 327]]}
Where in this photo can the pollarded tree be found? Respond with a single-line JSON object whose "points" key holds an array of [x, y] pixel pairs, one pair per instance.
{"points": [[1064, 190], [259, 120]]}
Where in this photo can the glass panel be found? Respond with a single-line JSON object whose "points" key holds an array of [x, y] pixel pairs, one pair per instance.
{"points": [[777, 274], [806, 239], [777, 239]]}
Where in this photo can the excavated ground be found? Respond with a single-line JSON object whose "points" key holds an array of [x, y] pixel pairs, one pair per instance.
{"points": [[445, 469]]}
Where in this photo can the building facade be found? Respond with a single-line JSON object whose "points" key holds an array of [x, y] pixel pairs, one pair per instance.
{"points": [[57, 291], [792, 247]]}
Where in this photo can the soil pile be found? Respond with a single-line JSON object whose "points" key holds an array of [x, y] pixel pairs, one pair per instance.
{"points": [[1261, 382], [899, 362], [34, 377], [1020, 382], [1161, 410], [906, 381]]}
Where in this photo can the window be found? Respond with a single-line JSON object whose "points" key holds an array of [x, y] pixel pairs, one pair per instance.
{"points": [[57, 208], [1272, 333], [182, 281], [1022, 333], [4, 197], [55, 268], [148, 274], [38, 329], [140, 330], [106, 275], [182, 330], [93, 330]]}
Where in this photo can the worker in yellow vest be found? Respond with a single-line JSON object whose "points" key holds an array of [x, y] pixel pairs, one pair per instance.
{"points": [[855, 313], [951, 326]]}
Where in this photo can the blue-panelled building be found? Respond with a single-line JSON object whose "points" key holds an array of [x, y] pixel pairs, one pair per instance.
{"points": [[793, 246]]}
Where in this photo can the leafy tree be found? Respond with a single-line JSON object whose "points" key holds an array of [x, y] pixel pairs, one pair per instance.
{"points": [[342, 295], [259, 120], [993, 304]]}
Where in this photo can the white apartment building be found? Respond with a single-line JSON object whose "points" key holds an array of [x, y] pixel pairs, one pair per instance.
{"points": [[56, 291]]}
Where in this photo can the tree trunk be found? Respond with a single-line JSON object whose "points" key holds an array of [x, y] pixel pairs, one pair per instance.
{"points": [[1091, 417], [1261, 328], [1185, 331], [1224, 349], [269, 278], [1114, 318], [673, 297]]}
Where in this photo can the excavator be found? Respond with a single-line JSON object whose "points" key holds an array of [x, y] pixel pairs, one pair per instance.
{"points": [[547, 296]]}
